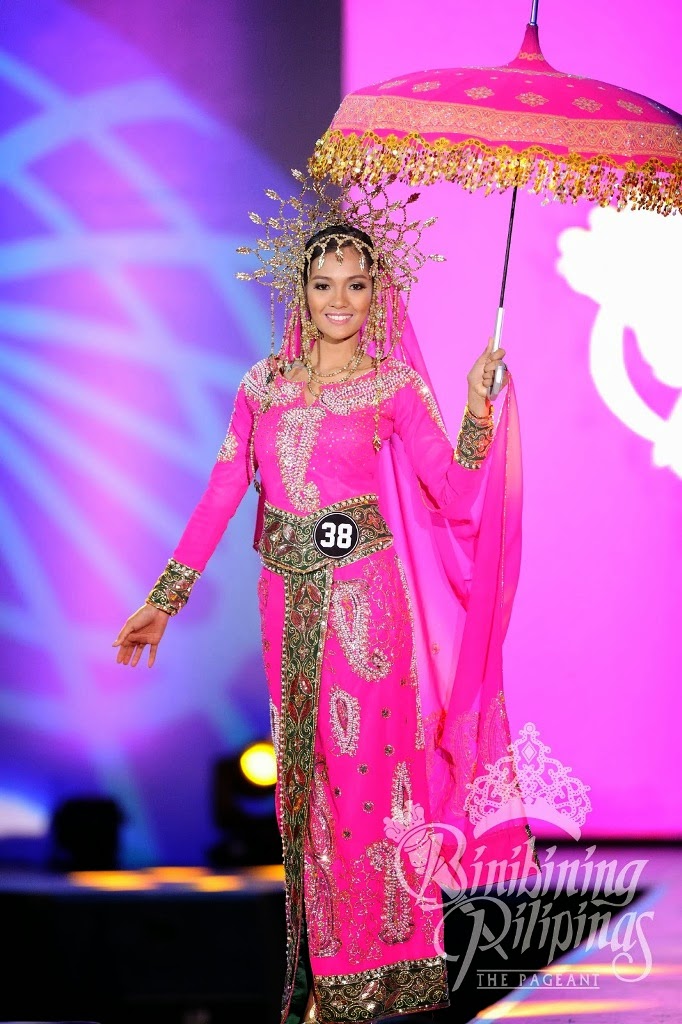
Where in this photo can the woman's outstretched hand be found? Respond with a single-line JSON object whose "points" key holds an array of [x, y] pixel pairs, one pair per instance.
{"points": [[480, 377], [145, 626]]}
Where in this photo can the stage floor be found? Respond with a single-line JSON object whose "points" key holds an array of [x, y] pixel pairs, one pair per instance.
{"points": [[189, 946]]}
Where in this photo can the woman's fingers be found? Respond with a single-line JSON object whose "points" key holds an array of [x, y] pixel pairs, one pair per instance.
{"points": [[152, 654], [137, 653], [121, 636]]}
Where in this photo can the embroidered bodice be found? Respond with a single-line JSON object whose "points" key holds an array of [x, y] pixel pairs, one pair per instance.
{"points": [[310, 456]]}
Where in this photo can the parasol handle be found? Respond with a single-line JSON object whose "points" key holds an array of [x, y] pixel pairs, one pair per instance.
{"points": [[496, 385], [534, 13]]}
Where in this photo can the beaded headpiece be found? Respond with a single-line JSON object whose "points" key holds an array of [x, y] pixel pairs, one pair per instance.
{"points": [[393, 259]]}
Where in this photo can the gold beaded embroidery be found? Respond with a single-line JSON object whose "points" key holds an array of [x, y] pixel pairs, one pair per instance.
{"points": [[228, 448], [344, 712], [397, 917], [350, 618], [401, 794], [399, 988], [171, 591], [475, 437], [294, 445], [321, 896]]}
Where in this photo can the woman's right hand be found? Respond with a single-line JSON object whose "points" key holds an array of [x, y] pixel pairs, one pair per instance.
{"points": [[145, 626]]}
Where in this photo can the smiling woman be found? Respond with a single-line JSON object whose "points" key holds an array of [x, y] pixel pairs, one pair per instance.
{"points": [[356, 711]]}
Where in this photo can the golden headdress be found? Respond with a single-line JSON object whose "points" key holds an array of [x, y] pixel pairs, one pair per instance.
{"points": [[290, 243]]}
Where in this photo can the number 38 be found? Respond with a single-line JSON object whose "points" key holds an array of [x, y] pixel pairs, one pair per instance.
{"points": [[339, 535]]}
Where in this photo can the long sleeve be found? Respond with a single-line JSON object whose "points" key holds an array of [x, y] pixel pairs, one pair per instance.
{"points": [[449, 475], [227, 485]]}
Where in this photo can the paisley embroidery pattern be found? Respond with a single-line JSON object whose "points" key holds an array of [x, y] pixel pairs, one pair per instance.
{"points": [[397, 917], [350, 612], [401, 794], [294, 445], [321, 920], [344, 711]]}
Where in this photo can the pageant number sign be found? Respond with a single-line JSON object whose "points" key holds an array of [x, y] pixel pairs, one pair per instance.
{"points": [[336, 535]]}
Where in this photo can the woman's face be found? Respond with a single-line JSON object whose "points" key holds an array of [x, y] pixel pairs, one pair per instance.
{"points": [[339, 294]]}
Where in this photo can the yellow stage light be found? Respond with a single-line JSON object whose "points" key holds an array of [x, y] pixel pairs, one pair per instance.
{"points": [[259, 764]]}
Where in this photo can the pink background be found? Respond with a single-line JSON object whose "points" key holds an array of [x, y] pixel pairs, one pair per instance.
{"points": [[592, 653]]}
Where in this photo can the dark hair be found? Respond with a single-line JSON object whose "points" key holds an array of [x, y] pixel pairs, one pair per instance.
{"points": [[316, 245]]}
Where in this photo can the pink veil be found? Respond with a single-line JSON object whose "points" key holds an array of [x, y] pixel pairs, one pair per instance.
{"points": [[462, 582]]}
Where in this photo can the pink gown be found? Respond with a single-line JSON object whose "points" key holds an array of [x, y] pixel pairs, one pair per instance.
{"points": [[372, 943]]}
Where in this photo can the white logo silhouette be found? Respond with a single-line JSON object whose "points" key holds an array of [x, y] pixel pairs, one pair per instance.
{"points": [[629, 263], [527, 780]]}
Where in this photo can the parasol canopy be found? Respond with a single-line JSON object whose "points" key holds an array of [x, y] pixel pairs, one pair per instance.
{"points": [[521, 124]]}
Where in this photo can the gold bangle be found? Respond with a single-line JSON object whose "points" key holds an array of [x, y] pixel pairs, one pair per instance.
{"points": [[171, 591], [475, 437]]}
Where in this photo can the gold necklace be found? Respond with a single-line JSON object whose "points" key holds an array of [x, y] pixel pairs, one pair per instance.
{"points": [[351, 363], [351, 366]]}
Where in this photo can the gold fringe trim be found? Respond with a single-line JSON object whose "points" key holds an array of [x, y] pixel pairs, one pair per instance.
{"points": [[652, 185]]}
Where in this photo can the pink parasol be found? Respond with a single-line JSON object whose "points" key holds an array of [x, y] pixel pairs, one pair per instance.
{"points": [[522, 124]]}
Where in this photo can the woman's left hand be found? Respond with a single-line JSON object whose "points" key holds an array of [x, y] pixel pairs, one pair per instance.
{"points": [[480, 378]]}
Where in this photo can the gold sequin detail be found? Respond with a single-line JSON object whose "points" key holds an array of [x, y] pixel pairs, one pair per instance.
{"points": [[344, 712], [228, 448], [397, 917], [532, 99], [632, 108], [475, 437], [351, 615], [171, 591], [585, 103], [274, 727], [294, 444], [621, 177], [403, 987], [401, 794], [481, 92], [321, 896]]}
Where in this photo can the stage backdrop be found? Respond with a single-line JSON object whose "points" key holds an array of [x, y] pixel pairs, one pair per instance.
{"points": [[136, 137], [594, 342]]}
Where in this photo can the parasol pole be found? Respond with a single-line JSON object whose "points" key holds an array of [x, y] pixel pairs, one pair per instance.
{"points": [[496, 385]]}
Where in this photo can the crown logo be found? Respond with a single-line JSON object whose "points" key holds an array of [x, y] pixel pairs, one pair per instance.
{"points": [[527, 781]]}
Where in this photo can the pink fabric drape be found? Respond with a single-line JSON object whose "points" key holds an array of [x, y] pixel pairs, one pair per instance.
{"points": [[463, 581]]}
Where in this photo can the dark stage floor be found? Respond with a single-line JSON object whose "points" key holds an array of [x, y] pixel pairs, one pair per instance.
{"points": [[188, 946]]}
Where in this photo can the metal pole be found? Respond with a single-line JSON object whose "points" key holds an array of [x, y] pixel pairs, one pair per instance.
{"points": [[534, 14], [496, 385]]}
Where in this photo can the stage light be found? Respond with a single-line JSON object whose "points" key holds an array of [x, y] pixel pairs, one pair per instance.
{"points": [[259, 764], [243, 797]]}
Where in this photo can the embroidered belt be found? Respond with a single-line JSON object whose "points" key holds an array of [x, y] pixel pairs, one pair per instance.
{"points": [[335, 535], [304, 550]]}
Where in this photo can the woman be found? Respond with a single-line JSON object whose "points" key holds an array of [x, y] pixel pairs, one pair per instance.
{"points": [[356, 751]]}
